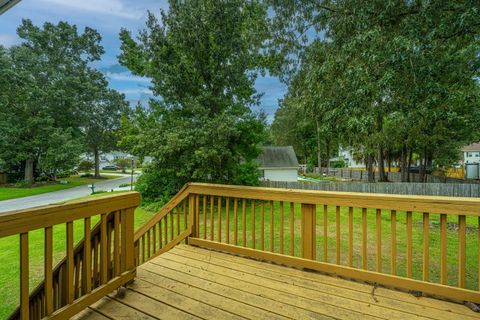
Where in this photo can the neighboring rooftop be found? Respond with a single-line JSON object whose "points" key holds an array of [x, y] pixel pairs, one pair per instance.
{"points": [[7, 4], [472, 147], [278, 157]]}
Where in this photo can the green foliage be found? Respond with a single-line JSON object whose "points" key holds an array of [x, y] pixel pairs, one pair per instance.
{"points": [[123, 163], [246, 174], [85, 165], [202, 57], [390, 78]]}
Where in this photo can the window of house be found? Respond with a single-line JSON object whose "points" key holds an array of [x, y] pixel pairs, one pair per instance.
{"points": [[469, 154], [477, 154]]}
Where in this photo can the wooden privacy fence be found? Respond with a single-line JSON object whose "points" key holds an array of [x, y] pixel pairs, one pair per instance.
{"points": [[406, 188], [398, 241], [362, 175], [99, 263]]}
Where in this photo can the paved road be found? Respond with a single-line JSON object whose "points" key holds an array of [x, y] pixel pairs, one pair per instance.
{"points": [[60, 196]]}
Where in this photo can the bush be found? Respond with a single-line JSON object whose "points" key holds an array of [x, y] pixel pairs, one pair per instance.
{"points": [[86, 165], [338, 164], [155, 186], [246, 174], [86, 175], [66, 174]]}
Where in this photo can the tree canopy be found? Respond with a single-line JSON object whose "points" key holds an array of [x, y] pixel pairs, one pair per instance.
{"points": [[203, 58]]}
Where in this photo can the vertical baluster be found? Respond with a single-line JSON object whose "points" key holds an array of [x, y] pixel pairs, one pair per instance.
{"points": [[244, 222], [172, 218], [235, 221], [219, 236], [160, 235], [47, 269], [262, 225], [426, 246], [272, 245], [103, 249], [337, 233], [116, 244], [409, 244], [443, 249], [87, 258], [364, 238], [212, 204], [462, 256], [24, 287], [253, 223], [325, 233], [143, 248], [393, 228], [350, 236], [281, 227], [292, 229], [227, 220], [178, 220], [149, 244], [204, 217], [379, 240], [197, 215], [77, 276], [478, 244], [185, 222], [154, 239], [165, 228], [70, 265]]}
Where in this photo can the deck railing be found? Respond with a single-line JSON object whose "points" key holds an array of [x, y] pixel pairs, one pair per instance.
{"points": [[416, 243], [419, 243], [99, 263]]}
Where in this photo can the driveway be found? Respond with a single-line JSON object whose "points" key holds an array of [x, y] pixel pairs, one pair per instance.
{"points": [[63, 195]]}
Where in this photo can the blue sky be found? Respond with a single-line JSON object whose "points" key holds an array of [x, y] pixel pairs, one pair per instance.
{"points": [[108, 16]]}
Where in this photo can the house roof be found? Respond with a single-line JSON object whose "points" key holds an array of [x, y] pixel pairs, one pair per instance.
{"points": [[7, 4], [472, 147], [278, 157]]}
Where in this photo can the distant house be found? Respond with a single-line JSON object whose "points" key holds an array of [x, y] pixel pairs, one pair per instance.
{"points": [[471, 159], [278, 164], [346, 155]]}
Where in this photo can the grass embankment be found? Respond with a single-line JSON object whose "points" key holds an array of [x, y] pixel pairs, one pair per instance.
{"points": [[10, 255], [7, 193], [417, 241]]}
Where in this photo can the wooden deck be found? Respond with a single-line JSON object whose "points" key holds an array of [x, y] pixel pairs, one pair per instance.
{"points": [[192, 283]]}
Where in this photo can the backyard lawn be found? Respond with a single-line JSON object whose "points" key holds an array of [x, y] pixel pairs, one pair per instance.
{"points": [[7, 193]]}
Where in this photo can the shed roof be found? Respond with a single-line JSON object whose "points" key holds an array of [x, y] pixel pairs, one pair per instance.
{"points": [[472, 147], [278, 157]]}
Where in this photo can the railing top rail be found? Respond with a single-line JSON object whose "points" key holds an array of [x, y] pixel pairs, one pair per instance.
{"points": [[15, 222], [433, 204]]}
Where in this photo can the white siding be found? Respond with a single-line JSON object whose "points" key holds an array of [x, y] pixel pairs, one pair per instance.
{"points": [[280, 174], [471, 157]]}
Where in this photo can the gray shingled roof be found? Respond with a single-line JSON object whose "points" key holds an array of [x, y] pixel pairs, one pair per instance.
{"points": [[7, 4], [278, 157], [472, 147]]}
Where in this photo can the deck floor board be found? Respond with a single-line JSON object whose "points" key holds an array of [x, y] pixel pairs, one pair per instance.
{"points": [[194, 283]]}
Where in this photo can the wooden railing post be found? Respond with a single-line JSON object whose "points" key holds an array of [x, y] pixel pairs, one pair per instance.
{"points": [[308, 231], [192, 218], [128, 250]]}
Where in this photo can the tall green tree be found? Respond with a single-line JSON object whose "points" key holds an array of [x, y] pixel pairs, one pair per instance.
{"points": [[202, 57], [47, 76]]}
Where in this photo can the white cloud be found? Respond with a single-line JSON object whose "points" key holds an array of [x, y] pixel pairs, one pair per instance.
{"points": [[104, 7], [138, 91], [126, 77], [8, 40]]}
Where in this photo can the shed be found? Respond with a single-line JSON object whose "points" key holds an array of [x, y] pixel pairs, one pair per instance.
{"points": [[278, 164]]}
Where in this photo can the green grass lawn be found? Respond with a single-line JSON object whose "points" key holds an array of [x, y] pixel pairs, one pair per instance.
{"points": [[417, 239], [7, 193], [9, 255]]}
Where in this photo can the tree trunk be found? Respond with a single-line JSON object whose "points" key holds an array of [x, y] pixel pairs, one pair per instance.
{"points": [[410, 155], [381, 166], [319, 156], [423, 167], [97, 163], [327, 145], [29, 171], [404, 164], [371, 173]]}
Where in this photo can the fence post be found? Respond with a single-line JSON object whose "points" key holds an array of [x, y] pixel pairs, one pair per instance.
{"points": [[308, 231]]}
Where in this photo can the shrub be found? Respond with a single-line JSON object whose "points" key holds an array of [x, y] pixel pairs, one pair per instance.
{"points": [[86, 165], [86, 175], [246, 174], [155, 187]]}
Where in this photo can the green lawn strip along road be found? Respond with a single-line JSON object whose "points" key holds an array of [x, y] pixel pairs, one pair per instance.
{"points": [[7, 193], [10, 255]]}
